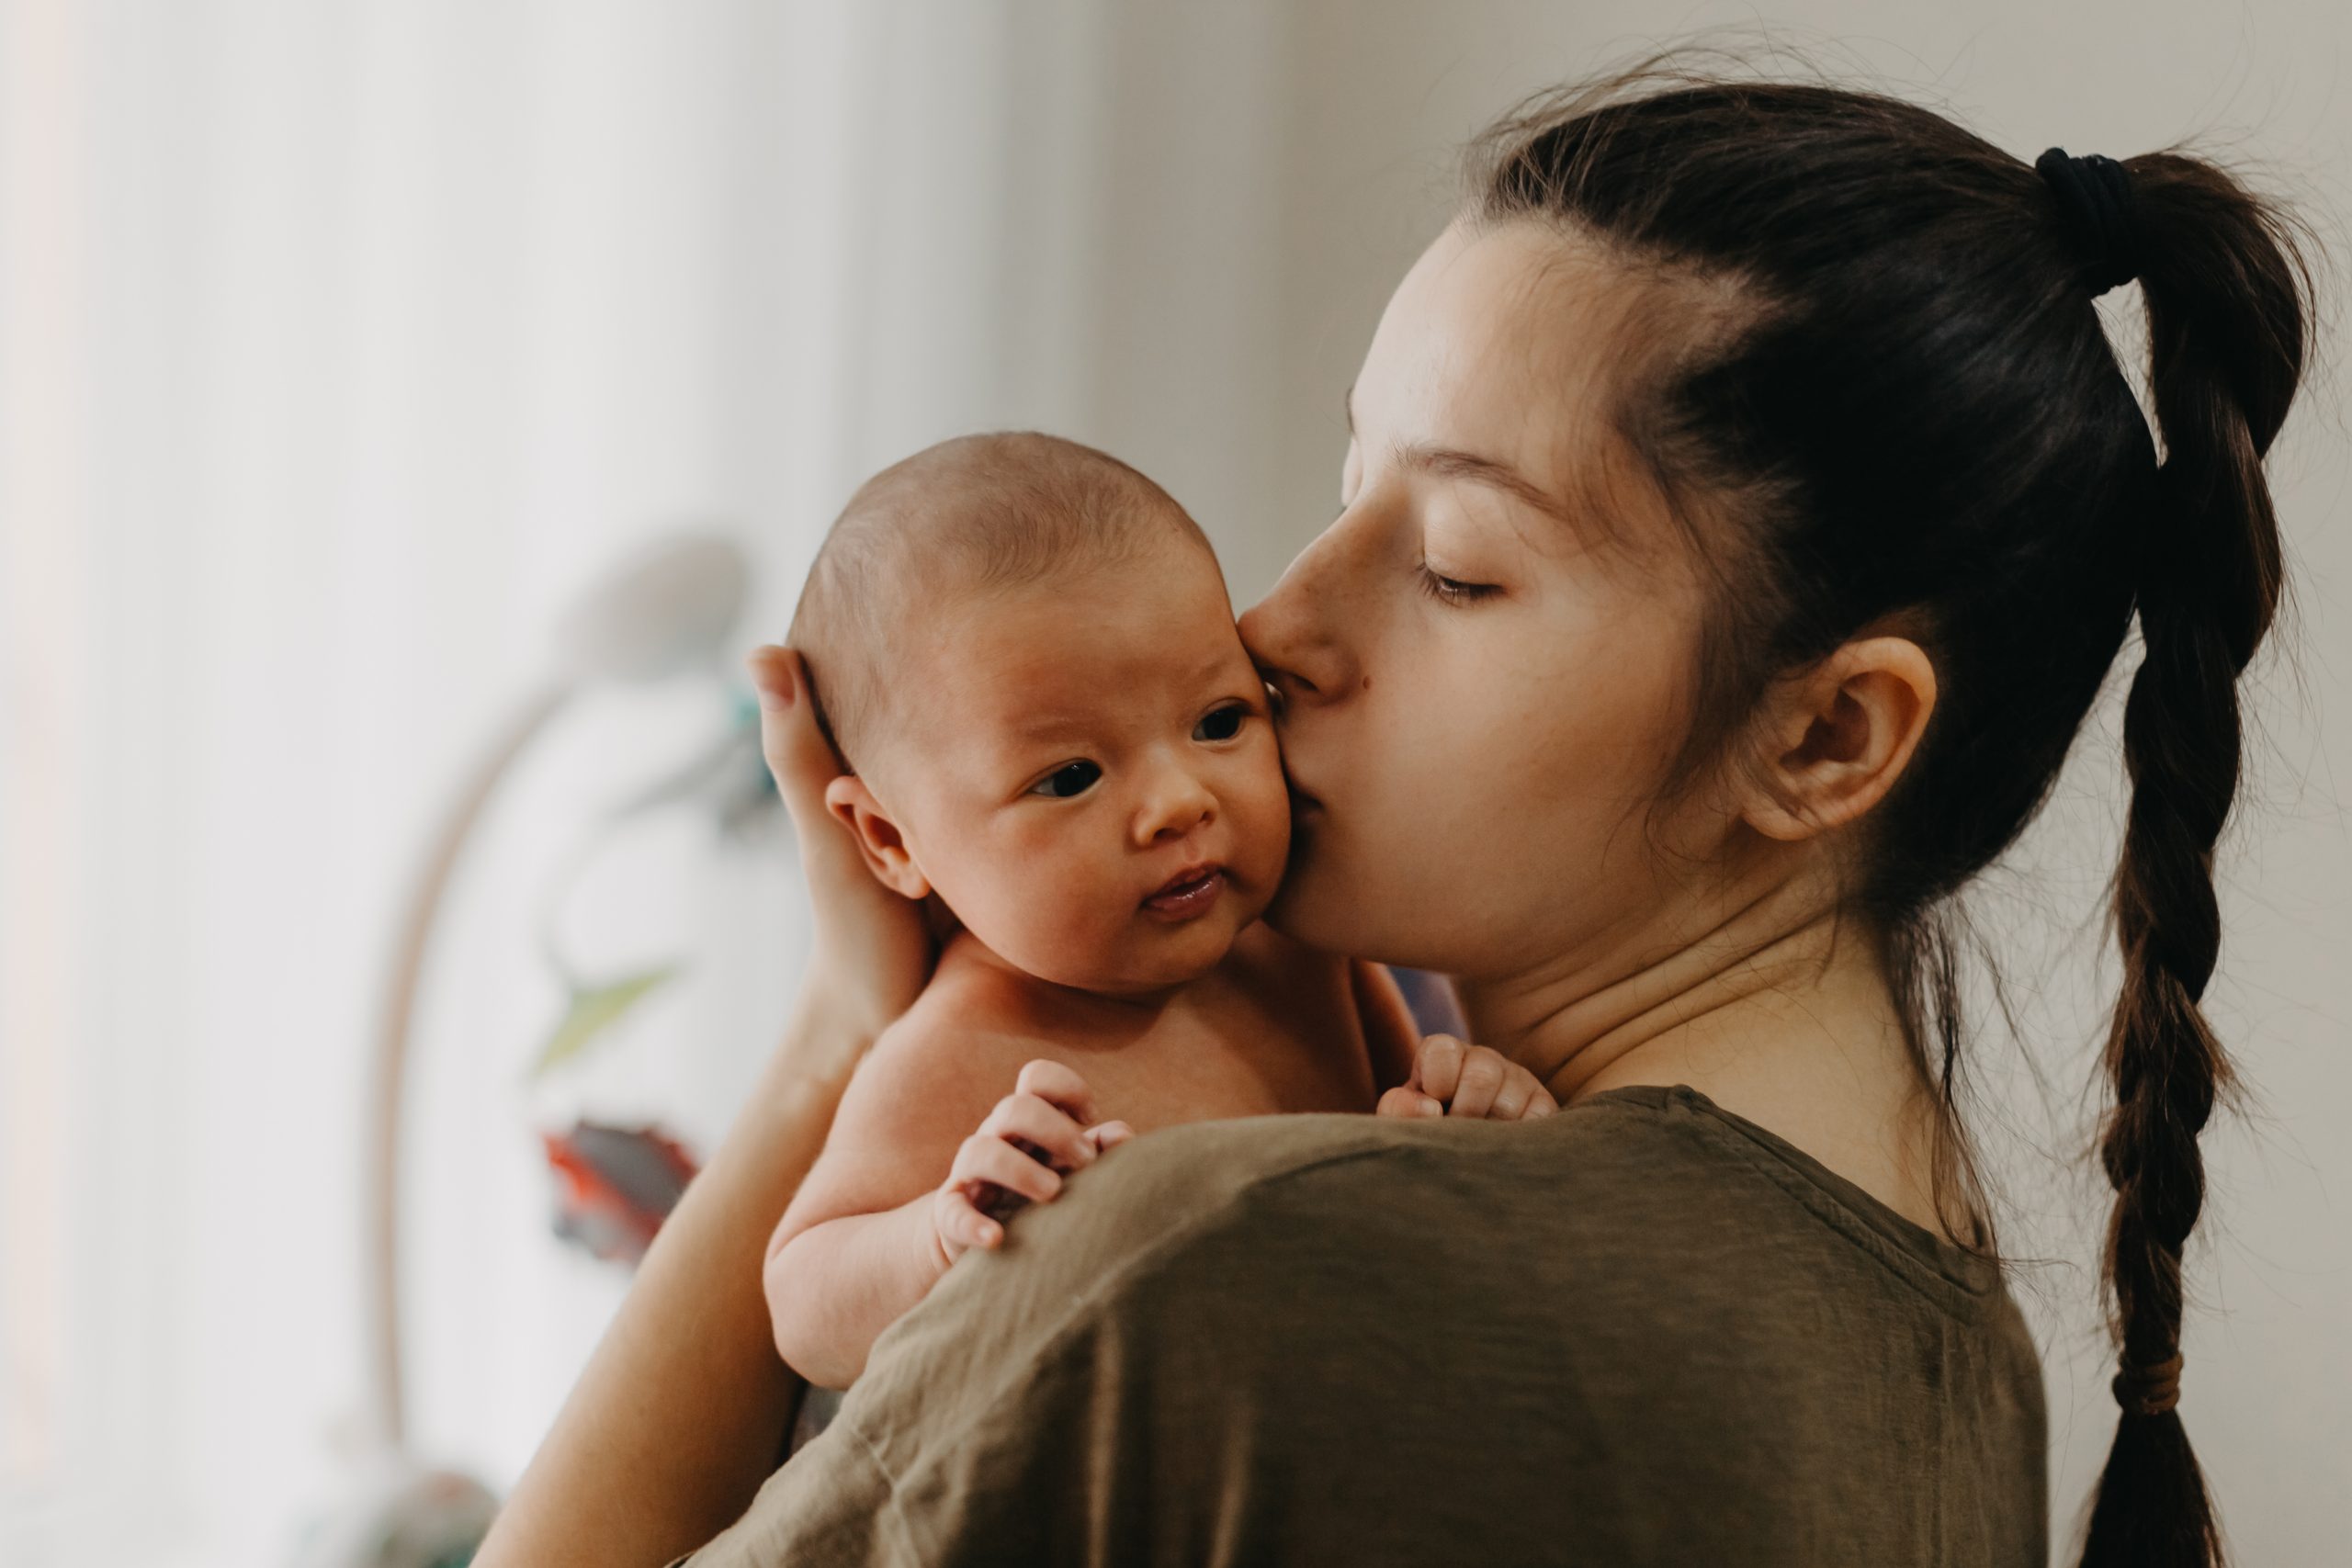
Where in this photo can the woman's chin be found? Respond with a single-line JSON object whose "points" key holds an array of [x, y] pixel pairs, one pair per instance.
{"points": [[1304, 910]]}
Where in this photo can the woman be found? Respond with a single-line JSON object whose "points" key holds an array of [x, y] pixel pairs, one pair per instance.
{"points": [[1742, 510]]}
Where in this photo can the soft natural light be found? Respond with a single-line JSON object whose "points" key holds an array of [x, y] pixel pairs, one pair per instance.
{"points": [[344, 346]]}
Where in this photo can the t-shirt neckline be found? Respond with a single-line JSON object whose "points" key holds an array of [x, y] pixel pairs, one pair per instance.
{"points": [[1968, 1271]]}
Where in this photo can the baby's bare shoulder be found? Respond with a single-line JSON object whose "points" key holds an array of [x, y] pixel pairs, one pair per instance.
{"points": [[929, 1079], [966, 1023]]}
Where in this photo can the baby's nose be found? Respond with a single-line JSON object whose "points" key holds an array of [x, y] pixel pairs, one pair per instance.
{"points": [[1177, 803]]}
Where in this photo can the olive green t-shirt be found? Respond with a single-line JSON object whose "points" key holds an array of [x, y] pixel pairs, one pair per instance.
{"points": [[1641, 1331]]}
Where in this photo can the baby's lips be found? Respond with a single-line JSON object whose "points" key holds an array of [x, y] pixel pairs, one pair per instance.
{"points": [[1191, 873], [1218, 867]]}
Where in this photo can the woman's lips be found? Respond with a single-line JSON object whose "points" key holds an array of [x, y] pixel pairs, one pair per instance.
{"points": [[1189, 894]]}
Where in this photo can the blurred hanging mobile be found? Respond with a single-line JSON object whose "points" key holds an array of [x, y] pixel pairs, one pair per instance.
{"points": [[668, 611]]}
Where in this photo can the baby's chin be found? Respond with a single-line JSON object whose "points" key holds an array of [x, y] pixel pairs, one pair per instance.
{"points": [[1155, 959]]}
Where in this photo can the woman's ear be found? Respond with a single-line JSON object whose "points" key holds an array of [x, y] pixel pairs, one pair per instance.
{"points": [[1836, 738], [877, 836]]}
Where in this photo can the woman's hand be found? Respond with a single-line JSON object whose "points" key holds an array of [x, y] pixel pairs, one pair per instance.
{"points": [[1450, 1078], [1036, 1135], [874, 950]]}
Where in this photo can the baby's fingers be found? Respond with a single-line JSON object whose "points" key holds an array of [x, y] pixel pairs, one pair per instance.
{"points": [[1044, 1125], [1050, 1080], [1469, 1081], [1109, 1134], [1477, 1084], [1523, 1096], [1438, 1066], [987, 1158], [1406, 1101], [960, 1224]]}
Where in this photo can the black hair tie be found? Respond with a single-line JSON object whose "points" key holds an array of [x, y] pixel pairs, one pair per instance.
{"points": [[2095, 196]]}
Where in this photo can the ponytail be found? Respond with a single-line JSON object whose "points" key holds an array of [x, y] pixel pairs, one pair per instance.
{"points": [[2228, 329]]}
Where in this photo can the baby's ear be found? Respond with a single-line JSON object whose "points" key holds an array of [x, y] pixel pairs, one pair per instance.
{"points": [[878, 839]]}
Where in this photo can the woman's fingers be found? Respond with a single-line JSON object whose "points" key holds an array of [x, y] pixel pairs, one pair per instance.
{"points": [[797, 753], [874, 950]]}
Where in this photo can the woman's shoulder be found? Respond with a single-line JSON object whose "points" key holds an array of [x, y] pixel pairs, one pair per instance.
{"points": [[1582, 1315], [1167, 1200], [1636, 1191]]}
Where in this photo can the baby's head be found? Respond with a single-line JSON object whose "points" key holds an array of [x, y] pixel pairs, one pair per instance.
{"points": [[1024, 649]]}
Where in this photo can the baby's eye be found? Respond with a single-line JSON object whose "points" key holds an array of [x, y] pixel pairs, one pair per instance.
{"points": [[1224, 723], [1070, 778]]}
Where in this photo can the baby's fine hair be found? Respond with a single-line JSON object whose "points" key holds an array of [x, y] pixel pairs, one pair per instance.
{"points": [[974, 514]]}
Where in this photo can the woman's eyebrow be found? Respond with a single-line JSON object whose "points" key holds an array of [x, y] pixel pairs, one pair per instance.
{"points": [[1453, 463]]}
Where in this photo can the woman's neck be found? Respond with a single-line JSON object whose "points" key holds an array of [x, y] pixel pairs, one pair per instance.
{"points": [[1777, 1011]]}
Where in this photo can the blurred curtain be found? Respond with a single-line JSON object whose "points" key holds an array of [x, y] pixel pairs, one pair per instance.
{"points": [[339, 343]]}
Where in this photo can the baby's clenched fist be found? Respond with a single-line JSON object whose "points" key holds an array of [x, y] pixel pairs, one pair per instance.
{"points": [[1035, 1137], [1450, 1078]]}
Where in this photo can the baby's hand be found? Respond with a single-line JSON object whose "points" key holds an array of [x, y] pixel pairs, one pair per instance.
{"points": [[1450, 1078], [1035, 1134]]}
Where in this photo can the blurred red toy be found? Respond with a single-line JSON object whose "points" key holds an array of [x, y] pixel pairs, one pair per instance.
{"points": [[616, 1186]]}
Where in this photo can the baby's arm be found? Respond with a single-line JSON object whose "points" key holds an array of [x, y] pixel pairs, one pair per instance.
{"points": [[873, 1228]]}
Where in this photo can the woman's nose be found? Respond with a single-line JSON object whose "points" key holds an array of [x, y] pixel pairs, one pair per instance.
{"points": [[1289, 638]]}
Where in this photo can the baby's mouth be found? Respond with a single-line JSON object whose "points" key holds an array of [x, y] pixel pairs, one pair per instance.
{"points": [[1189, 879], [1189, 891]]}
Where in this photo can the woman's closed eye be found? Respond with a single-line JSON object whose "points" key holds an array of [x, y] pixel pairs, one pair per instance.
{"points": [[1069, 779], [1453, 591]]}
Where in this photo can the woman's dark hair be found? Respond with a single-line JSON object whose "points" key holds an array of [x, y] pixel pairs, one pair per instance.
{"points": [[1869, 380]]}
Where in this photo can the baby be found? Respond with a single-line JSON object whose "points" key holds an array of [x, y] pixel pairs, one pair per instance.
{"points": [[1023, 650]]}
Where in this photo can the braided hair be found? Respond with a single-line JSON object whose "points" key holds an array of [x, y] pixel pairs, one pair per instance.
{"points": [[1911, 410]]}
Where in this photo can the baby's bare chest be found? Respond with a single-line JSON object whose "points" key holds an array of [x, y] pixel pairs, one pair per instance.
{"points": [[1223, 1053]]}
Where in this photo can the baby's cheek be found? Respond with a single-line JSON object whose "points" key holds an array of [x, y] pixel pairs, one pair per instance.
{"points": [[1071, 916], [1264, 822]]}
